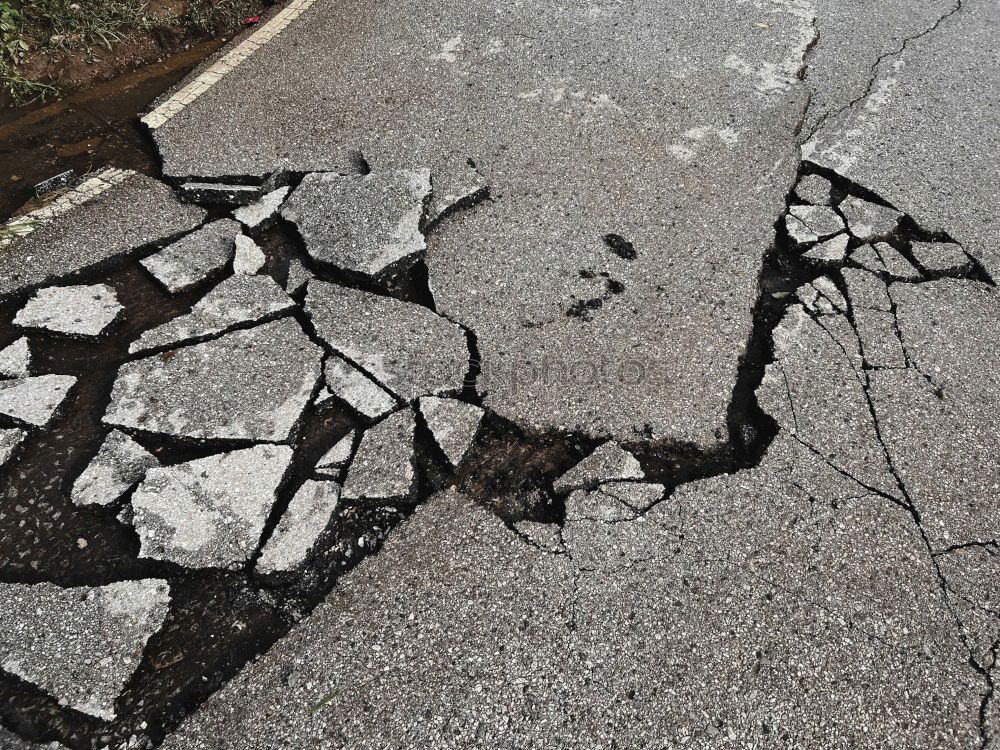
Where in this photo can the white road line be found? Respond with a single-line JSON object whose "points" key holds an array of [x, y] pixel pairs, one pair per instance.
{"points": [[225, 64], [85, 191]]}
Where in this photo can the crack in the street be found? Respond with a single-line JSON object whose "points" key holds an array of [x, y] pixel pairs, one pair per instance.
{"points": [[874, 76]]}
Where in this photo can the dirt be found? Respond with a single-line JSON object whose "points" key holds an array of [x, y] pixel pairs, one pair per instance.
{"points": [[87, 130]]}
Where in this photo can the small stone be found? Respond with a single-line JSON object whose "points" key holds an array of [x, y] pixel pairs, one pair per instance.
{"points": [[120, 464], [865, 289], [249, 258], [34, 401], [10, 440], [410, 350], [210, 512], [249, 385], [383, 469], [608, 462], [238, 300], [81, 644], [799, 232], [356, 389], [814, 189], [307, 517], [866, 257], [942, 257], [362, 223], [214, 192], [15, 359], [334, 459], [453, 424], [260, 214], [868, 221], [821, 220], [195, 258], [895, 264], [298, 276], [828, 254], [86, 310], [81, 543]]}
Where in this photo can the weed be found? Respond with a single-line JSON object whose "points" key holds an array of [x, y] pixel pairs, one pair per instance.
{"points": [[326, 699]]}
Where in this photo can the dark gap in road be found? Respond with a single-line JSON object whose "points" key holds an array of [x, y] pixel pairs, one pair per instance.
{"points": [[221, 619]]}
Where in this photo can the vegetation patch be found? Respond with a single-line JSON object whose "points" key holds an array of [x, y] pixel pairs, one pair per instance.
{"points": [[50, 45]]}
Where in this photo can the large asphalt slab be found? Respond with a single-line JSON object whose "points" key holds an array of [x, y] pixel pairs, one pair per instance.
{"points": [[670, 125]]}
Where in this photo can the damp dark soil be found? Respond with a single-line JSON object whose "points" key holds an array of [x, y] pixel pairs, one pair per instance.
{"points": [[94, 128]]}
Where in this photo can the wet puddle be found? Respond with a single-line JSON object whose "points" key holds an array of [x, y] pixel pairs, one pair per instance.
{"points": [[93, 128]]}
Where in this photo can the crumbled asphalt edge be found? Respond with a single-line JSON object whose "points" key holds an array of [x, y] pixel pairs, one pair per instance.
{"points": [[509, 470]]}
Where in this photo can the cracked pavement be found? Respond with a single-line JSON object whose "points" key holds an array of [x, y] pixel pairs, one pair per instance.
{"points": [[578, 376]]}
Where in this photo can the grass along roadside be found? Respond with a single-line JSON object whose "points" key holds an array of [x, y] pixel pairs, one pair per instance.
{"points": [[47, 46]]}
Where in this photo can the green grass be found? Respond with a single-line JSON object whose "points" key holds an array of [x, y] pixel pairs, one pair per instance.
{"points": [[75, 25]]}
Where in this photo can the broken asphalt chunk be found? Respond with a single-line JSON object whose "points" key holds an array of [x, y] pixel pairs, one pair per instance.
{"points": [[82, 644], [34, 401], [220, 193], [248, 257], [362, 223], [453, 424], [868, 221], [865, 289], [307, 517], [941, 257], [331, 462], [15, 359], [798, 231], [383, 469], [210, 512], [260, 214], [131, 210], [814, 189], [866, 257], [606, 463], [246, 385], [298, 276], [410, 350], [895, 264], [828, 254], [825, 286], [120, 464], [880, 343], [85, 310], [238, 300], [195, 258], [356, 389], [820, 220], [10, 441]]}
